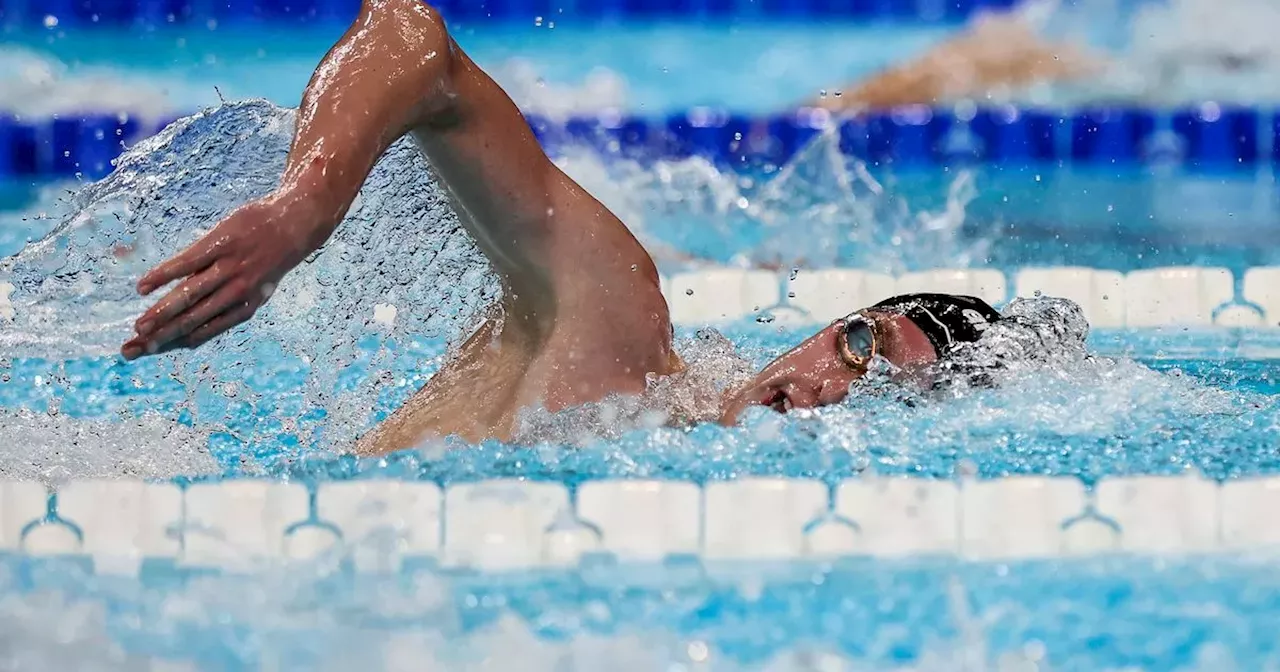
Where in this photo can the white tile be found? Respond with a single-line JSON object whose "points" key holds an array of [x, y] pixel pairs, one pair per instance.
{"points": [[235, 525], [124, 521], [1184, 295], [21, 503], [1100, 294], [1262, 286], [986, 284], [383, 522], [761, 518], [1159, 514], [644, 520], [830, 294], [1018, 516], [502, 524], [902, 516], [719, 295], [1248, 513]]}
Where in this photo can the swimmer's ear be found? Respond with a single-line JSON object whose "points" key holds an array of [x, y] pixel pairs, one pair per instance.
{"points": [[194, 259]]}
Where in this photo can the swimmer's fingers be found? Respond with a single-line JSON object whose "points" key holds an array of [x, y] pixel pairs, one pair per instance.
{"points": [[191, 260], [224, 322], [228, 295], [180, 299]]}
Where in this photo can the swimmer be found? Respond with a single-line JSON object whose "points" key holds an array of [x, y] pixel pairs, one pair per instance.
{"points": [[581, 317], [999, 52], [1005, 51]]}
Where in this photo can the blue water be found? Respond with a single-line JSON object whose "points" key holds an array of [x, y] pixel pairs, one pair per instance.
{"points": [[1163, 402], [1204, 614], [1135, 432]]}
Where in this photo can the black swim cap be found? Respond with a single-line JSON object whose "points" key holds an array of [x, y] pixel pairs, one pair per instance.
{"points": [[946, 319]]}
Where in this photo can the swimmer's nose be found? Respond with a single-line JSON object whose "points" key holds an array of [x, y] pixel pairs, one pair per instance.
{"points": [[781, 396]]}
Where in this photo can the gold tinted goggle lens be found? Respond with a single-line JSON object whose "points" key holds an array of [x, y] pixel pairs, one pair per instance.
{"points": [[857, 341]]}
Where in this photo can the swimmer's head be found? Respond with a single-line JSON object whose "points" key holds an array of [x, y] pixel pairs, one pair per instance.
{"points": [[911, 332]]}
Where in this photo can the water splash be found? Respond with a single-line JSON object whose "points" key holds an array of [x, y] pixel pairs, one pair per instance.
{"points": [[844, 215], [73, 289], [318, 365]]}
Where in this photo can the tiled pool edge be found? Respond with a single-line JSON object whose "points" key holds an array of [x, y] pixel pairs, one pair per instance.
{"points": [[376, 526], [1174, 296], [1166, 297]]}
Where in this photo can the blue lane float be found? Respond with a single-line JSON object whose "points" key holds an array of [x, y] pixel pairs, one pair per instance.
{"points": [[88, 13], [1205, 138]]}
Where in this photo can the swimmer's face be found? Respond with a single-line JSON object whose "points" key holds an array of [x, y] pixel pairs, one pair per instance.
{"points": [[814, 373]]}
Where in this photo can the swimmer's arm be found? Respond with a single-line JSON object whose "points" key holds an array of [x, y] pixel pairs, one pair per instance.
{"points": [[386, 73], [397, 70]]}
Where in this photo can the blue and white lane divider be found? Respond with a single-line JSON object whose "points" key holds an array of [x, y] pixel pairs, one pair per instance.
{"points": [[1206, 137], [147, 13], [122, 527]]}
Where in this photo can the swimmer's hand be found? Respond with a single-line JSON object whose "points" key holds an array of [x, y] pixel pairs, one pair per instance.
{"points": [[230, 273]]}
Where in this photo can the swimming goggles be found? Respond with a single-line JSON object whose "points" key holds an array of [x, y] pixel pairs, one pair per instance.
{"points": [[857, 341]]}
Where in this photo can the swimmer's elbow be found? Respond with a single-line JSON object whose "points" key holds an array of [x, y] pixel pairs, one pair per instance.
{"points": [[415, 27], [416, 43]]}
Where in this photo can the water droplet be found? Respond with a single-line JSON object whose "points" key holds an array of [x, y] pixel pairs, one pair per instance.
{"points": [[635, 267], [1038, 293], [791, 295], [50, 21], [765, 318], [688, 292], [794, 273]]}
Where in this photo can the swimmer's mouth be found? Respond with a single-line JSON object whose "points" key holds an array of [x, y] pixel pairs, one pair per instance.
{"points": [[779, 402]]}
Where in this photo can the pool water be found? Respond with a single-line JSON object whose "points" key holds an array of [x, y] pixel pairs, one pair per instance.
{"points": [[935, 615], [279, 397]]}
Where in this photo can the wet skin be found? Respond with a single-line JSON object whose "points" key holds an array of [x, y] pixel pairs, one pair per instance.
{"points": [[813, 374], [582, 316]]}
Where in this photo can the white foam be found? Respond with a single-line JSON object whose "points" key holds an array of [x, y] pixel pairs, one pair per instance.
{"points": [[56, 448]]}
